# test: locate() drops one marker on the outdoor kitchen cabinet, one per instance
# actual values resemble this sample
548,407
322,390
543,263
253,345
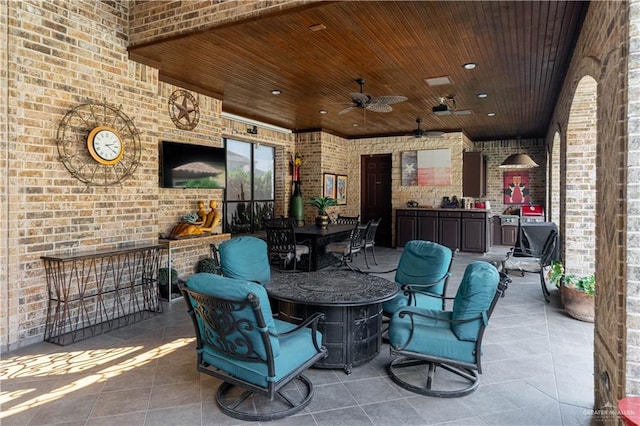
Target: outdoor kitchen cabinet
428,225
474,174
467,230
475,232
406,226
449,229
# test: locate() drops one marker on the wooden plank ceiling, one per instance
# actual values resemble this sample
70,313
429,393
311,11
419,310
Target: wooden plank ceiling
314,55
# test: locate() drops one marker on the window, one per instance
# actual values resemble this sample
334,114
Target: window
250,192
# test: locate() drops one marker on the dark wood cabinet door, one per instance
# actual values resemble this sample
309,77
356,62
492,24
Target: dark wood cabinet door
405,229
428,228
449,232
473,175
509,234
474,235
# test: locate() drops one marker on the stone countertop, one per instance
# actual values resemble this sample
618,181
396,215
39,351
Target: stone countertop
445,209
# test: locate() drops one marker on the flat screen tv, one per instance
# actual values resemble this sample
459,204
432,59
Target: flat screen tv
184,165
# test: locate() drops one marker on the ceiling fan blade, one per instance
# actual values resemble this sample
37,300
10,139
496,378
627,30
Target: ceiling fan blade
463,112
389,99
378,107
346,110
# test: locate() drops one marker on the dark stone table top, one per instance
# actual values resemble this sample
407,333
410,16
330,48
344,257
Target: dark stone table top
312,230
331,288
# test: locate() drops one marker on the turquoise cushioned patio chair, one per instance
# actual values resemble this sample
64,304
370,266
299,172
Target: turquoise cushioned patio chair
260,360
245,258
421,275
448,339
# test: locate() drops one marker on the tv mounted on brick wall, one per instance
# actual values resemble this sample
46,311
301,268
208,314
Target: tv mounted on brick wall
184,165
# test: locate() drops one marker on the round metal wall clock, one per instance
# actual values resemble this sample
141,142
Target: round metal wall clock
99,144
184,110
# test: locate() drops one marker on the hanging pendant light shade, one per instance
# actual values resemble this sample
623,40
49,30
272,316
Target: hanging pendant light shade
518,161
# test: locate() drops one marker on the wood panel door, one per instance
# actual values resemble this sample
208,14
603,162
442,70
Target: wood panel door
375,197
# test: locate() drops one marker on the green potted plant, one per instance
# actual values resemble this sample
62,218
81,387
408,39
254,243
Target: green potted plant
163,282
322,204
577,293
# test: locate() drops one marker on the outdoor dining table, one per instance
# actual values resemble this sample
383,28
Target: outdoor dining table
318,239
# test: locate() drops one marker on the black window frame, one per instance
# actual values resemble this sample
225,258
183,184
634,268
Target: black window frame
255,222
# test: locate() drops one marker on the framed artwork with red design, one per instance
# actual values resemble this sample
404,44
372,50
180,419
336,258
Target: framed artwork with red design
516,187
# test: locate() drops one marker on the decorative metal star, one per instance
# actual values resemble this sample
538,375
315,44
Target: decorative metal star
184,110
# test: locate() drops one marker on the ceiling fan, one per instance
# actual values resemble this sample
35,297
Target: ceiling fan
366,101
447,106
419,133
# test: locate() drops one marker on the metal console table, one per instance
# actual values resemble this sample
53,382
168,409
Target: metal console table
351,302
95,292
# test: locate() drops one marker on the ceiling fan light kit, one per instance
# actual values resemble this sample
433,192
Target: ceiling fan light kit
375,104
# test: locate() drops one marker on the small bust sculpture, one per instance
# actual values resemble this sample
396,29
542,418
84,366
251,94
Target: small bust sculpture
206,223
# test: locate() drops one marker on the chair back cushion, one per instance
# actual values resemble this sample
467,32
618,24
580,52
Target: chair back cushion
473,299
230,342
422,262
245,258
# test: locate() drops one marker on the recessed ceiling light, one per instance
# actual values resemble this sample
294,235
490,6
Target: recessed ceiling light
323,111
491,114
469,66
482,95
275,92
438,81
355,125
318,27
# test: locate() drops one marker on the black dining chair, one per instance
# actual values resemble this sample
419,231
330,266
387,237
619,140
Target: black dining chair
370,241
347,250
347,220
284,251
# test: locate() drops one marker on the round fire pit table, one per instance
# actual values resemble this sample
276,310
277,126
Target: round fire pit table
351,302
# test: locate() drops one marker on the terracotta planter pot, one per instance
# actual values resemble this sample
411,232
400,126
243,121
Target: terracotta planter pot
577,303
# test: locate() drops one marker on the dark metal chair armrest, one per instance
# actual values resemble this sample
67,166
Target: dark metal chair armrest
313,321
411,289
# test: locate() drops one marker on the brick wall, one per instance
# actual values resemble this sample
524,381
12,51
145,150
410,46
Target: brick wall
579,185
628,296
162,19
57,55
64,54
601,53
496,152
5,321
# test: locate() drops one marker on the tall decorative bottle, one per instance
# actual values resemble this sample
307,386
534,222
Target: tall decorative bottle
297,203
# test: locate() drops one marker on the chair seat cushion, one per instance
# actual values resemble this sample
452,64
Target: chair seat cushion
245,258
526,264
431,337
338,248
295,350
401,301
300,250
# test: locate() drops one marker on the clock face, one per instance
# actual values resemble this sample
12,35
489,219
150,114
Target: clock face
99,144
105,145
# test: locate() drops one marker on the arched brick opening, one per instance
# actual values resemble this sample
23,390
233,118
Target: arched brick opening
579,221
553,181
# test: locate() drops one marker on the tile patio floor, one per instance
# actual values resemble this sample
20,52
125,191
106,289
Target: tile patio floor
537,370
